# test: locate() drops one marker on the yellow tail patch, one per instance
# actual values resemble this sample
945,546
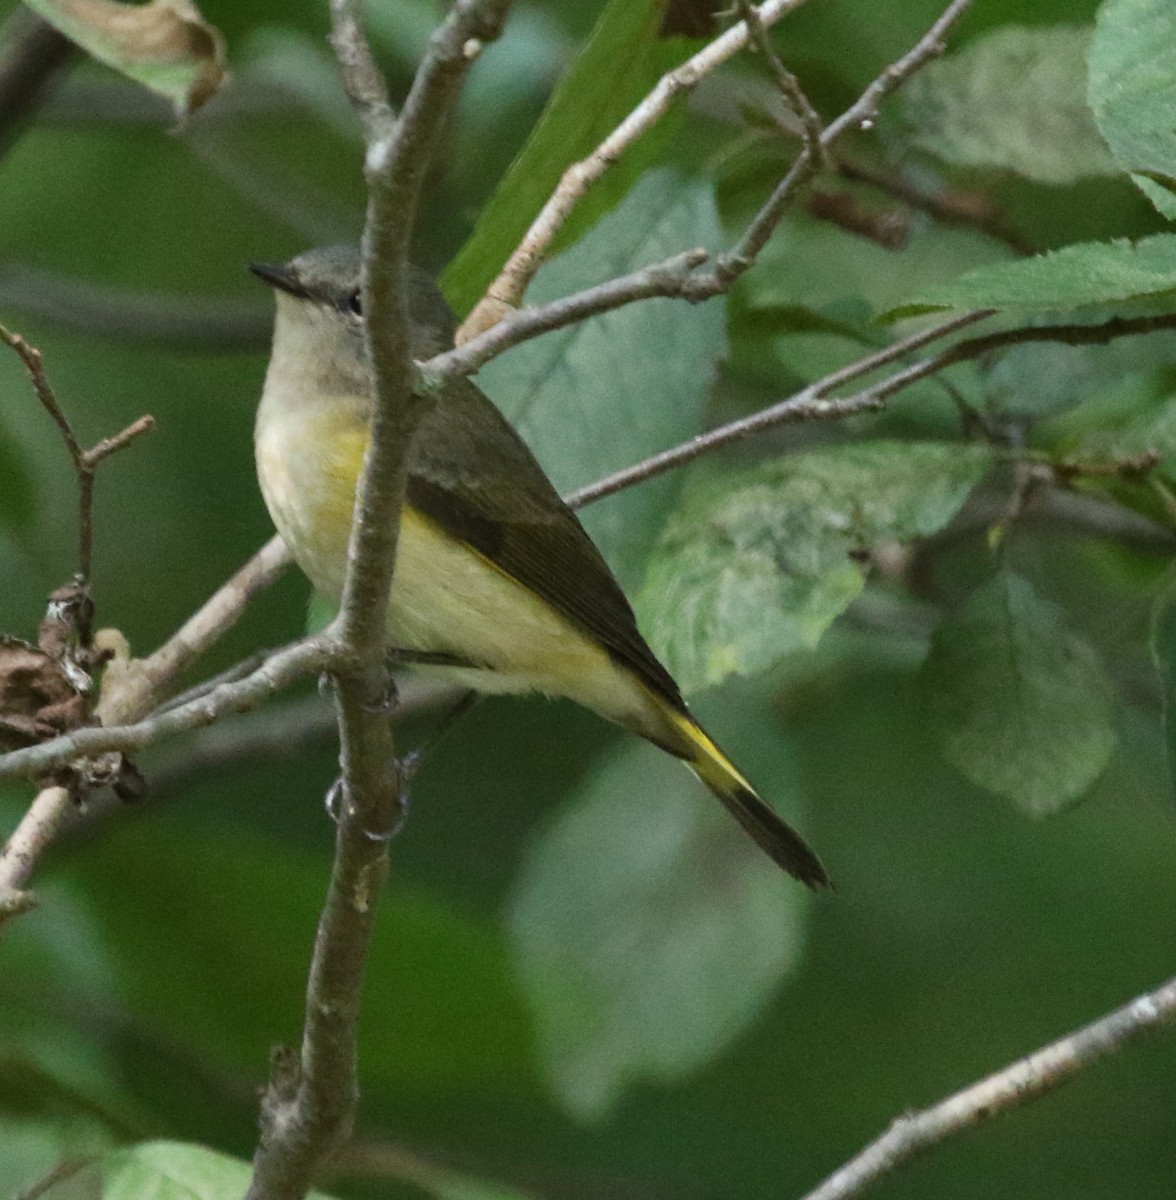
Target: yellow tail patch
769,830
707,761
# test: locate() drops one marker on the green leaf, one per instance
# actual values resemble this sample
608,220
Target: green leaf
1139,417
1013,99
176,1171
49,1065
1087,273
813,263
1132,91
591,399
647,928
440,1010
166,47
756,564
1022,705
621,61
1048,378
33,1147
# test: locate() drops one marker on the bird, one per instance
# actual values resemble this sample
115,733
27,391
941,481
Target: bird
496,585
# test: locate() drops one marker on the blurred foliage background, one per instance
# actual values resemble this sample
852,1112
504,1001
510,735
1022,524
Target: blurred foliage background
583,986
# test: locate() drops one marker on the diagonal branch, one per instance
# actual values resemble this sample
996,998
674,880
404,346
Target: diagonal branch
497,323
506,292
279,670
1026,1079
811,403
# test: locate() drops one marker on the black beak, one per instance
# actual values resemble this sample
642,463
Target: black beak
279,275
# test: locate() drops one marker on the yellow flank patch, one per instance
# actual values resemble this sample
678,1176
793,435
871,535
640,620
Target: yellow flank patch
446,596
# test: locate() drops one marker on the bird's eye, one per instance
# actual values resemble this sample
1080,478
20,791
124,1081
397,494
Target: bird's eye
355,303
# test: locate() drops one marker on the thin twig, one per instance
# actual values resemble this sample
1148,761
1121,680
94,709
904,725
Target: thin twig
506,292
811,403
85,462
787,84
500,304
971,211
1024,1080
282,668
669,278
860,115
362,80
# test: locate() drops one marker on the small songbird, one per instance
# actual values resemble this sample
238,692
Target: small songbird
494,574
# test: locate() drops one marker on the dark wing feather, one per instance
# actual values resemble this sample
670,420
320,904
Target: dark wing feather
471,473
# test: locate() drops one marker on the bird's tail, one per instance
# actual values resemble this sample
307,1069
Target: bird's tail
770,831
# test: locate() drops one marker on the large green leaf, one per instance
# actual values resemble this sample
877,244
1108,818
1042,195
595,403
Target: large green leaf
1022,704
175,1171
595,397
1047,378
33,1147
1086,273
1132,89
440,1010
648,929
180,1171
1138,416
1013,99
620,62
757,563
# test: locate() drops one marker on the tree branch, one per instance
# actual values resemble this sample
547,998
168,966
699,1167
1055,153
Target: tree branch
310,1101
85,462
786,83
39,827
282,668
860,115
677,276
1024,1080
506,292
809,404
670,278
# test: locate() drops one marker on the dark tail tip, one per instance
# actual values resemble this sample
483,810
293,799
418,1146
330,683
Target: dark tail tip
780,841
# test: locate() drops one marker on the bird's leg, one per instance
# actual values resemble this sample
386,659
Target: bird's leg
409,763
400,656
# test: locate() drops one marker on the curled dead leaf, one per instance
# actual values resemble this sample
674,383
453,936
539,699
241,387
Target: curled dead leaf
38,698
166,45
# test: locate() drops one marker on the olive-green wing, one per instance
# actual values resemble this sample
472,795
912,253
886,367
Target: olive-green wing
472,474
